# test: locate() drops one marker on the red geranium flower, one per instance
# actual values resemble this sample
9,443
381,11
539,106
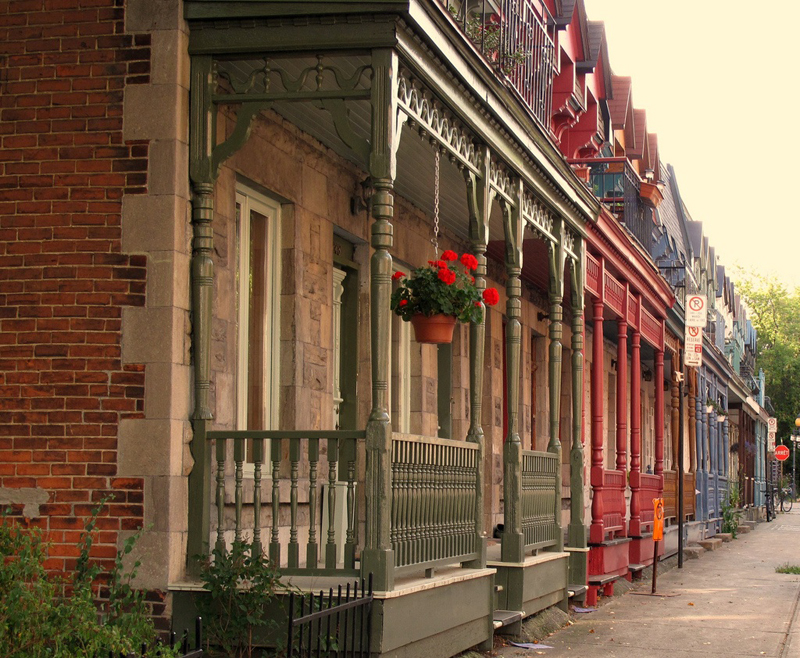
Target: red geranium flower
491,296
440,264
449,255
397,275
447,276
403,302
469,261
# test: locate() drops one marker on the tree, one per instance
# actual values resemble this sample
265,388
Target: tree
774,311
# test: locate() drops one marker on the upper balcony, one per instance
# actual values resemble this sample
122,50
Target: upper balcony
513,36
627,196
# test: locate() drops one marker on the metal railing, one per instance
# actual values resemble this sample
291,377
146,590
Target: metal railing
539,527
433,501
337,625
512,36
327,458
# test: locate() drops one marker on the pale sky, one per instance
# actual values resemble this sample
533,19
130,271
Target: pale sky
719,82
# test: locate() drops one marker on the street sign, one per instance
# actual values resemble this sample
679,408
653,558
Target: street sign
693,343
658,519
696,306
771,441
781,453
772,424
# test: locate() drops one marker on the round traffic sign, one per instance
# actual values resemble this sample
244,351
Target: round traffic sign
781,453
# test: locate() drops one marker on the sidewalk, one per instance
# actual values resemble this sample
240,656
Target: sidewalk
729,602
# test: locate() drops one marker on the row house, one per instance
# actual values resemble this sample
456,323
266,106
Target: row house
203,205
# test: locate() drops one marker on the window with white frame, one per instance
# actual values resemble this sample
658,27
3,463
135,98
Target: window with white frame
258,310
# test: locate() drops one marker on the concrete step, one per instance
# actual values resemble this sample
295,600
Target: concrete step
725,537
711,544
744,529
693,552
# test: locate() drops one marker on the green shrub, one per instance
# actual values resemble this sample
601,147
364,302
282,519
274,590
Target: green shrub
241,589
42,615
731,514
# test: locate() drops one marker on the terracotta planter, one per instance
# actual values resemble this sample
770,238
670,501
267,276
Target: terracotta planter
435,329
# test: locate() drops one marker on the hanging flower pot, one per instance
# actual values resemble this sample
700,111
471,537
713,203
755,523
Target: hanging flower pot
439,295
433,329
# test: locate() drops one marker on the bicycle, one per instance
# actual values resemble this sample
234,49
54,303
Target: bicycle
785,499
769,503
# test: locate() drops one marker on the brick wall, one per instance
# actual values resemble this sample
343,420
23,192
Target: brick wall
64,168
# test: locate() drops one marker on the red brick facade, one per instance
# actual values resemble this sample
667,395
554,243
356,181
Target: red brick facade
64,168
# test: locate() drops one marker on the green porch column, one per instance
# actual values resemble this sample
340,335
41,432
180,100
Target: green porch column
479,199
513,546
202,273
557,255
577,530
378,557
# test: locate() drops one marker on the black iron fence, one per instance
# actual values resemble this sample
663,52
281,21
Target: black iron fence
333,625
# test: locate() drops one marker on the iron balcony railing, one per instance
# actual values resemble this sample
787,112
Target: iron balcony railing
513,37
616,184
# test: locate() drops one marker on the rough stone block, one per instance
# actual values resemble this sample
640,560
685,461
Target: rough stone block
693,552
725,537
711,544
153,335
154,223
744,529
156,112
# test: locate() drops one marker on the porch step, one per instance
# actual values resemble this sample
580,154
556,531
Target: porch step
693,552
603,579
636,568
576,591
711,544
506,617
725,537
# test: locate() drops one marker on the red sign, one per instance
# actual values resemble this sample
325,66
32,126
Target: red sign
781,453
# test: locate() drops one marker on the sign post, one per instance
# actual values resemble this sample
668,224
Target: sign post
658,535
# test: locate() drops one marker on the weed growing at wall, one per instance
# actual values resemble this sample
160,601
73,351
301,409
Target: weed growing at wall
57,617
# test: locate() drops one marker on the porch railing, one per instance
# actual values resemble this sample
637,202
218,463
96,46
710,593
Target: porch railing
539,527
650,486
670,494
326,459
614,503
689,496
512,35
433,501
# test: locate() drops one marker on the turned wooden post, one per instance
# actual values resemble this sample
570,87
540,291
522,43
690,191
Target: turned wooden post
622,391
658,467
597,529
636,435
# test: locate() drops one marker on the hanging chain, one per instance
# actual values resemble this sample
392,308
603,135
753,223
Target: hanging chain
435,240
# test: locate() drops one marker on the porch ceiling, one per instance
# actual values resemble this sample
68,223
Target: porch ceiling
415,157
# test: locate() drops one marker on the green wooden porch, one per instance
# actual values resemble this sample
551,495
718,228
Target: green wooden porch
409,509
